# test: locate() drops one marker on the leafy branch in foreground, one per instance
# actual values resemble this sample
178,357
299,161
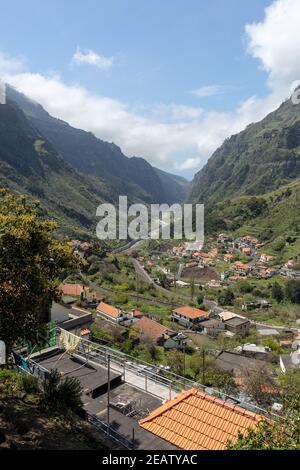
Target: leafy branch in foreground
282,433
31,263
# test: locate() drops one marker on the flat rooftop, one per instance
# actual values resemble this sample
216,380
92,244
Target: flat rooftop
236,321
126,425
93,378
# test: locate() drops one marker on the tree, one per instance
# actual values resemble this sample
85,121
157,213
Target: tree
162,279
31,264
259,385
246,287
192,287
292,291
62,394
226,297
277,292
175,360
220,380
200,298
290,382
282,433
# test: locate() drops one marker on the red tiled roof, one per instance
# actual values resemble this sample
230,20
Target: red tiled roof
243,266
204,255
197,421
108,310
84,331
137,313
191,312
72,289
150,328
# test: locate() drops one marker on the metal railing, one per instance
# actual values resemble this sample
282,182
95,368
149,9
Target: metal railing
99,354
152,375
109,431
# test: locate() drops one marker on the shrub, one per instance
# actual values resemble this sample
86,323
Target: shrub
62,394
17,382
293,291
226,297
277,292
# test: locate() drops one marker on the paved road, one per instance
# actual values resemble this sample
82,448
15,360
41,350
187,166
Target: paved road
137,298
129,246
146,278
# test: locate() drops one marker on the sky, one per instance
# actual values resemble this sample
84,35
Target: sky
167,80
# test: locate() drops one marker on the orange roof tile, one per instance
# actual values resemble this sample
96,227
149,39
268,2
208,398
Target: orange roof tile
84,331
191,312
137,313
108,310
195,420
150,328
205,255
243,266
72,289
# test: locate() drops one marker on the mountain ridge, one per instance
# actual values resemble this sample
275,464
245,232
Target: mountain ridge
133,176
261,158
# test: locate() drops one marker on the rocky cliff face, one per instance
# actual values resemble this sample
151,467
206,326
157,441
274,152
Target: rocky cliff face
263,157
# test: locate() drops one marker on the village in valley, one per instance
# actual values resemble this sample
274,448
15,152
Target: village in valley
218,317
142,330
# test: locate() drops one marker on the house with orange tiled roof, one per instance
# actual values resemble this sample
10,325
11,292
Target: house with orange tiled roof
241,268
108,312
137,314
150,329
159,334
264,258
189,317
233,278
195,420
246,250
73,289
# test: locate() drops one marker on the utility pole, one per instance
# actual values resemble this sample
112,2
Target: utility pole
108,393
192,285
203,366
137,290
184,361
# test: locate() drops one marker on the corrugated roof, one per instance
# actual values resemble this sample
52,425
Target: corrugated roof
191,312
195,420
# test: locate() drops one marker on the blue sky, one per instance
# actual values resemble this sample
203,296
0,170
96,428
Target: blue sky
160,58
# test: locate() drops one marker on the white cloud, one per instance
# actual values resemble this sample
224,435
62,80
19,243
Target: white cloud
209,90
170,112
188,164
276,43
9,65
92,58
166,134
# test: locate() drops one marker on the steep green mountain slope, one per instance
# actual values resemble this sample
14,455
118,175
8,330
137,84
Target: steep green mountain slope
29,164
263,157
177,186
274,218
133,177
